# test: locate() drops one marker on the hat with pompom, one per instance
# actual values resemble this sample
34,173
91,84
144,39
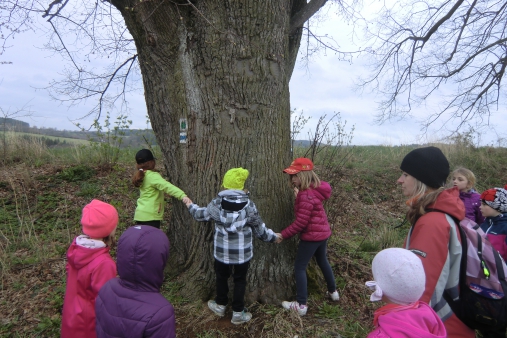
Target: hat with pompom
99,219
235,178
496,198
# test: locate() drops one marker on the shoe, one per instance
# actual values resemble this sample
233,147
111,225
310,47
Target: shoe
334,296
299,308
240,317
218,309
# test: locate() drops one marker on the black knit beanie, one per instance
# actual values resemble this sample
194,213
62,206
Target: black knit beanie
428,165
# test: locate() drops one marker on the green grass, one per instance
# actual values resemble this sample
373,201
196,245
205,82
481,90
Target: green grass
43,191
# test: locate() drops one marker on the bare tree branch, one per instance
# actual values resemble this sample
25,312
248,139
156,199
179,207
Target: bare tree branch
463,59
297,20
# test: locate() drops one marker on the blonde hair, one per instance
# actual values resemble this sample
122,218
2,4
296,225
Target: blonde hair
110,240
468,174
420,199
138,177
308,178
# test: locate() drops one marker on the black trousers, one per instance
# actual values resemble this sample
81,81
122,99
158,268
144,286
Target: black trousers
223,272
155,224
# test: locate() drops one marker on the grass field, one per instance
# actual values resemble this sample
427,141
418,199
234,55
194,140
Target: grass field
42,192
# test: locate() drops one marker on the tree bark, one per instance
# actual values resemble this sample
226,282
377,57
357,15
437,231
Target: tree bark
224,67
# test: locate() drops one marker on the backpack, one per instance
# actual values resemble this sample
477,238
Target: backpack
482,303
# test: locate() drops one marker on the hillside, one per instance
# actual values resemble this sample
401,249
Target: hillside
41,205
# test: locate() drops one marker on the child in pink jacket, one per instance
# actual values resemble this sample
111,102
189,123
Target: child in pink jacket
400,281
89,267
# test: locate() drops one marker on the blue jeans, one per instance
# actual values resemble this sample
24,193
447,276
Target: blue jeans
306,250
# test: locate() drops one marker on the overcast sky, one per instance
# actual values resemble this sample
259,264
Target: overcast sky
324,86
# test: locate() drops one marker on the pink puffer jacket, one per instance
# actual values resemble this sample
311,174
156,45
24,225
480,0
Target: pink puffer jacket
311,219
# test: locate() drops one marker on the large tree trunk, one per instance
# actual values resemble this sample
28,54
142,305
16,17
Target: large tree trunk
224,67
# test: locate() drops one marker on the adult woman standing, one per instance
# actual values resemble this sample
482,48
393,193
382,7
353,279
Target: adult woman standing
434,236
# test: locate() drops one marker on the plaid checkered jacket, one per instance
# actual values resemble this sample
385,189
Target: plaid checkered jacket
233,229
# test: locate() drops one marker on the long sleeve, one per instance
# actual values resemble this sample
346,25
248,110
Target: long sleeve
161,184
303,213
198,213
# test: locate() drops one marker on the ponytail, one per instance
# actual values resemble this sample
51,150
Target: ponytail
137,179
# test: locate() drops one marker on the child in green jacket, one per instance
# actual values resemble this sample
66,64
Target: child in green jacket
152,186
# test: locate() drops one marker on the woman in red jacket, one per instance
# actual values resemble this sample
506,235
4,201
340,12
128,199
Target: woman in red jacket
434,236
313,228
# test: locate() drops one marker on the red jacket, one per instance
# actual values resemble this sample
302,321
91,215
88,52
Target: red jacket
429,239
311,219
87,270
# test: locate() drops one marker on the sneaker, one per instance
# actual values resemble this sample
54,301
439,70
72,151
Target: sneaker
334,296
240,317
218,309
299,308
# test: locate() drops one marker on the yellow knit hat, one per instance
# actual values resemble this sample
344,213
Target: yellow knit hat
235,178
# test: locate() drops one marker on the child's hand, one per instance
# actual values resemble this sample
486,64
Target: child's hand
296,191
279,238
187,201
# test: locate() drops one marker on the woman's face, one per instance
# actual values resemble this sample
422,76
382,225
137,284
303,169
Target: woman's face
408,184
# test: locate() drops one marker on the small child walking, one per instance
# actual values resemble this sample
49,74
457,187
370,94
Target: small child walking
399,280
494,209
132,305
236,219
89,267
312,225
464,179
152,186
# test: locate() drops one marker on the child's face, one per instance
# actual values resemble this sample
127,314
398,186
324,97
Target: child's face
461,182
408,184
295,180
488,211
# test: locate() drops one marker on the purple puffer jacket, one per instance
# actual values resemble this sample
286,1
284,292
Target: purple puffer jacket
472,202
132,306
311,219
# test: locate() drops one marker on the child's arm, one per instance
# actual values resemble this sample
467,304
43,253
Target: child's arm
198,213
161,184
258,226
303,214
104,271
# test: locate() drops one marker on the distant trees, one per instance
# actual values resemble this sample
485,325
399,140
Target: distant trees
455,48
216,84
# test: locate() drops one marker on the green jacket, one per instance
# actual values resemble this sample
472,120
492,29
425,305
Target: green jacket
150,205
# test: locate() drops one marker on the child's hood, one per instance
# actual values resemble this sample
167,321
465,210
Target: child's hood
79,256
422,322
323,191
141,258
238,196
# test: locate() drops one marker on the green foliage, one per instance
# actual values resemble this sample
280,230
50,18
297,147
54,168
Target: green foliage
48,327
89,190
170,291
329,311
77,173
108,139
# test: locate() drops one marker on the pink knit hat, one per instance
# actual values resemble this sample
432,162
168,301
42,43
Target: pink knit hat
99,219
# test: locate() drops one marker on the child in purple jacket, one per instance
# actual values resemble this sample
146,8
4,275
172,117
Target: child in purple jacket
464,179
399,280
132,306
